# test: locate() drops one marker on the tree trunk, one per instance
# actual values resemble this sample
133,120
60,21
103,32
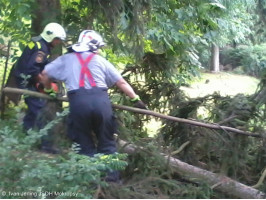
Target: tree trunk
217,182
215,59
45,11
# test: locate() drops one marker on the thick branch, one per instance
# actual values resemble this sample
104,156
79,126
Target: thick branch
32,93
189,172
4,80
261,179
187,121
181,148
142,111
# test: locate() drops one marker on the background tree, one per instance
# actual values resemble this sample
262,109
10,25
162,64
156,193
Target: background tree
231,24
44,12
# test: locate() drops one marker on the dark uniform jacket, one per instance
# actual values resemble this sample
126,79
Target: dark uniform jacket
32,61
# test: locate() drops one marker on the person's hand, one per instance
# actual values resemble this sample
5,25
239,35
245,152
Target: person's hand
52,91
138,103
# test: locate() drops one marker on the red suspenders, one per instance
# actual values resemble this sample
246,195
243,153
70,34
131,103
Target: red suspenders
85,70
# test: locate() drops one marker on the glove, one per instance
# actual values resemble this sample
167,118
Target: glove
51,92
138,103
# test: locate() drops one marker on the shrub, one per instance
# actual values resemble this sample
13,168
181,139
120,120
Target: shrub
251,58
27,173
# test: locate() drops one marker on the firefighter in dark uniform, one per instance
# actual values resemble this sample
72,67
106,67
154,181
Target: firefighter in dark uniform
30,65
27,72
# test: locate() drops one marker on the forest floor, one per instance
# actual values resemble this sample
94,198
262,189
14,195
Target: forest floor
223,82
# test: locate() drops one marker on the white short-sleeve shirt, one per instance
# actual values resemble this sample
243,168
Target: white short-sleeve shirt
67,68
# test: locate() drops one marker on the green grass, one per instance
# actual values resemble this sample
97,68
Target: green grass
224,83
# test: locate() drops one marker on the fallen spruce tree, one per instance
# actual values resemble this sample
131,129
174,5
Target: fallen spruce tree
216,181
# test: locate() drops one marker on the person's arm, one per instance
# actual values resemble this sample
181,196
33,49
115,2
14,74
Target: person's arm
123,85
52,71
126,88
113,77
33,60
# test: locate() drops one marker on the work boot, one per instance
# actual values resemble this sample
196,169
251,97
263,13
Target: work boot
49,150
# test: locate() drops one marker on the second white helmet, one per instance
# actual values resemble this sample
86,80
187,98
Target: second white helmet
89,40
53,30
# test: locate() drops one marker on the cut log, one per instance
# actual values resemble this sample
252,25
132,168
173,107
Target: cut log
142,111
217,182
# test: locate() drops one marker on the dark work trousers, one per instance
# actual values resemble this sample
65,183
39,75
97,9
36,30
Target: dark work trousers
91,111
34,106
32,118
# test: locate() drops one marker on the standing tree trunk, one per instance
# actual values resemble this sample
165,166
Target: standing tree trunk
45,11
215,59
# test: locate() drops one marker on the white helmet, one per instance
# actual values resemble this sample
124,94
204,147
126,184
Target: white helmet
89,40
53,30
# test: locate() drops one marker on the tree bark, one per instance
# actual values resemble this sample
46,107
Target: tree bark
141,111
45,11
215,59
217,182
